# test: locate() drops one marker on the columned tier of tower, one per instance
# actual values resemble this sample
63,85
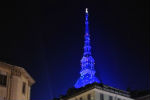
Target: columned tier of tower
87,72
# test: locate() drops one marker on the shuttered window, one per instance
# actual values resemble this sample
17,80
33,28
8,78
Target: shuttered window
3,80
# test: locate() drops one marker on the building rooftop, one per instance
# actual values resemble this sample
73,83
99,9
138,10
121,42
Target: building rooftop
73,91
14,68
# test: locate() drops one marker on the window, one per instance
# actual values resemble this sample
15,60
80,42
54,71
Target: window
110,98
89,96
81,98
3,80
24,88
101,97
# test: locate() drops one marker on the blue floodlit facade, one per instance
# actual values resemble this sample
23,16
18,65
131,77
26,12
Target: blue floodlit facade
87,62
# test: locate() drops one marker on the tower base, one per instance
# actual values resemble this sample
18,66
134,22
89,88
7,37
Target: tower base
83,81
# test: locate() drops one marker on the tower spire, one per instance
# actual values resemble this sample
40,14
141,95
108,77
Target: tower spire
86,21
87,47
87,62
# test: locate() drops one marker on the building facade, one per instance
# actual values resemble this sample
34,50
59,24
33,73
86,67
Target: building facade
15,82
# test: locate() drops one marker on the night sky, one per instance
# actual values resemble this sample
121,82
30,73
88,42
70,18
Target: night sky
46,38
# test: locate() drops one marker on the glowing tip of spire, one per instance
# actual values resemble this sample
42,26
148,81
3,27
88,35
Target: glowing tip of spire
86,10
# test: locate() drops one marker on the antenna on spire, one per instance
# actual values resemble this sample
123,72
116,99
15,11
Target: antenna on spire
86,10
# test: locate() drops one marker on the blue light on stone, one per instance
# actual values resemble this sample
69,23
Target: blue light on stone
87,62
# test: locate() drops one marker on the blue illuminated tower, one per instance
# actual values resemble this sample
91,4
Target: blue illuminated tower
87,62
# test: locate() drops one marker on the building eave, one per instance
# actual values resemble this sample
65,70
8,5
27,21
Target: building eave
21,69
100,87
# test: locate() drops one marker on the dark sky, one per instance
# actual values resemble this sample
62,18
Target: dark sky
46,38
